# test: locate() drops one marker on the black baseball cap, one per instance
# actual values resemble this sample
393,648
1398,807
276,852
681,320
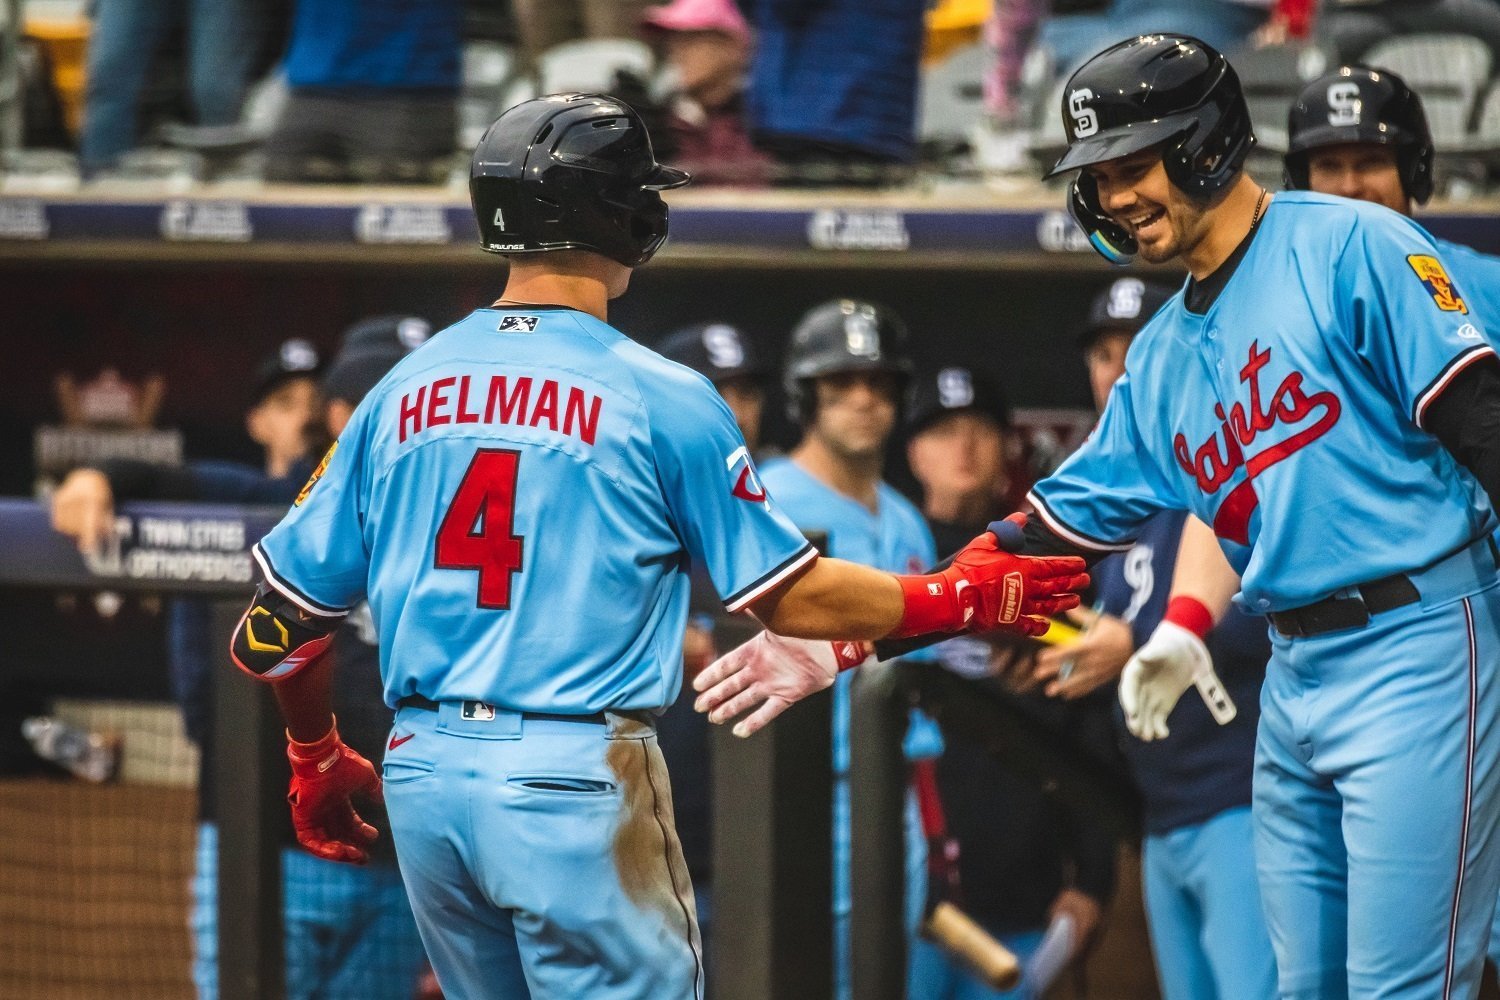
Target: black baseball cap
401,331
1125,304
354,371
293,359
951,389
718,351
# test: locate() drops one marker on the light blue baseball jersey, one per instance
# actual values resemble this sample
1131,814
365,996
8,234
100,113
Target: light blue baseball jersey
1289,416
521,499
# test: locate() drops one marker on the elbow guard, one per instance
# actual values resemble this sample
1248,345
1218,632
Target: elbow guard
275,638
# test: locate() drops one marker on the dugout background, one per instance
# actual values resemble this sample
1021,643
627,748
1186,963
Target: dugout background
94,879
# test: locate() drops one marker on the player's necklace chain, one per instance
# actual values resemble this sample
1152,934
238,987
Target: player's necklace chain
1259,204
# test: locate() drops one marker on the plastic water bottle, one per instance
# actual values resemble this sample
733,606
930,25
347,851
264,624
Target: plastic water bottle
86,755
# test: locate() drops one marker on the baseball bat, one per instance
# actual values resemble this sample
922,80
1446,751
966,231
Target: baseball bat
957,933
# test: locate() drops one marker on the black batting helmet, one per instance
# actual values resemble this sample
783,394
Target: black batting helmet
842,336
1172,91
571,172
1358,104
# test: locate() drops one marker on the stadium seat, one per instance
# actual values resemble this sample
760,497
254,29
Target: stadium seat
488,70
1486,139
1449,71
951,102
589,64
1272,77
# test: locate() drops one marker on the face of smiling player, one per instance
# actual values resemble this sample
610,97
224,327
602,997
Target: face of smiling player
1361,170
1135,191
856,412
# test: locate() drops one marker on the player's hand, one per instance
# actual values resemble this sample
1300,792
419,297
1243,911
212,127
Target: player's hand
999,589
769,674
1086,914
1170,662
1095,659
83,508
324,776
1013,661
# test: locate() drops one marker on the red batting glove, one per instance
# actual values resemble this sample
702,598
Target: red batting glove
987,588
324,775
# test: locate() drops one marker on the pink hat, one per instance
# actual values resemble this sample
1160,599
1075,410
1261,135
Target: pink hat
699,15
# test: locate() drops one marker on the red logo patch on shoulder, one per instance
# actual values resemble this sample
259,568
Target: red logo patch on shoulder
746,484
1435,279
316,475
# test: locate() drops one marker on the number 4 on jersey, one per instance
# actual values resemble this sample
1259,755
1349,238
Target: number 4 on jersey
476,533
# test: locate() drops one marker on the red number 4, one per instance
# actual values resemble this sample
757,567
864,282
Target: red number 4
476,533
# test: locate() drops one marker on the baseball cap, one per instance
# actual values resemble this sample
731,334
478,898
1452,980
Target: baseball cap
354,371
401,331
952,389
1125,304
294,358
717,351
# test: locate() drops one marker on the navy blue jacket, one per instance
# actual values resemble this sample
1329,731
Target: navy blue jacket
1202,768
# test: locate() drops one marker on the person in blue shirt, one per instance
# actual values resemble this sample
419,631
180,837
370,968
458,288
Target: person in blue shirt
1362,133
844,375
1357,133
1321,393
372,92
519,502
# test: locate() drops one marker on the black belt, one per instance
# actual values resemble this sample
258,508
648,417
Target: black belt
428,705
1334,613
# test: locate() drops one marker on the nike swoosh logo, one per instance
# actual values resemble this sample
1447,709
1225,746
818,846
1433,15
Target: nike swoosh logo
397,741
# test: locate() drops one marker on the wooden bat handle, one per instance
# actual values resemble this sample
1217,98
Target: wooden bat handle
959,935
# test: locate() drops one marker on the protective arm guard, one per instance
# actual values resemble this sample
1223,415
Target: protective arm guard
275,638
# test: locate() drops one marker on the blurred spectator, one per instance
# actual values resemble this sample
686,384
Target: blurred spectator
705,48
221,52
833,88
349,930
541,24
1224,24
1009,32
373,92
1023,859
1353,26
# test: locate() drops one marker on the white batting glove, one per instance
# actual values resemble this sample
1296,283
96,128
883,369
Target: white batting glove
769,674
1170,662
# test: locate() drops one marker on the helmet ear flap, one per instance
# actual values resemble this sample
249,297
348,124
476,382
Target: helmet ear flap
1105,234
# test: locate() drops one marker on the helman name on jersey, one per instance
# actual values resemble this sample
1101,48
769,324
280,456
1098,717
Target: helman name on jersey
507,400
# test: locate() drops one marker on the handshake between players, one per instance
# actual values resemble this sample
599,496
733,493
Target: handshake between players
986,587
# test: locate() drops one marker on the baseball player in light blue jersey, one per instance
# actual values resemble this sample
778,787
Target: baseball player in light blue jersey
845,371
519,501
1358,133
1362,133
1309,394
